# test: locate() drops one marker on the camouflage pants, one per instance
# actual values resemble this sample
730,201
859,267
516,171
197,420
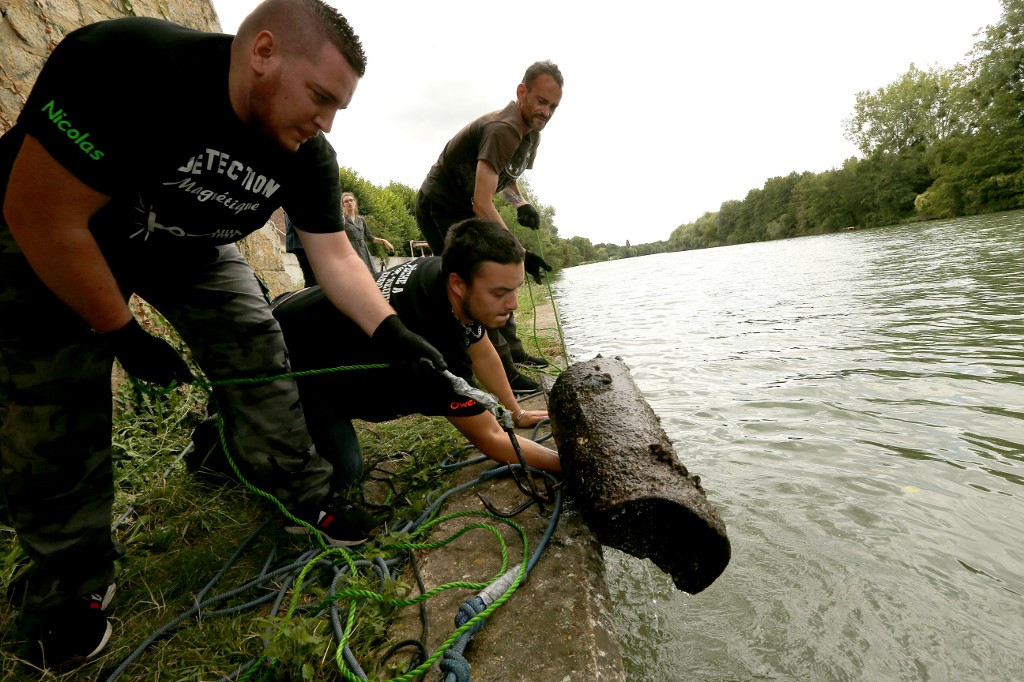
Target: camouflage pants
55,412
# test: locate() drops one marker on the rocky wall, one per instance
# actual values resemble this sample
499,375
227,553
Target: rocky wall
30,29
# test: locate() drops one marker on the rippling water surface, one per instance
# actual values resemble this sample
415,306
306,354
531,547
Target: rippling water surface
854,406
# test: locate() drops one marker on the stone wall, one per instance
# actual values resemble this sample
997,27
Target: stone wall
30,29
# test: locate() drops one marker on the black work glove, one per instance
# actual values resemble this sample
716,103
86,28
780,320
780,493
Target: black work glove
528,217
406,349
147,357
533,263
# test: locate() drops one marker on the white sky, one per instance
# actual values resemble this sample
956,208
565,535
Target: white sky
669,108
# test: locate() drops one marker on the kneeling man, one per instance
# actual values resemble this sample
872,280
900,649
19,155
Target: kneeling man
449,300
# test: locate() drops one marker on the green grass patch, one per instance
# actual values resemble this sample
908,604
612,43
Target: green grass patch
180,531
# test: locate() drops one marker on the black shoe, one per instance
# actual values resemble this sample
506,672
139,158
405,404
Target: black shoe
102,598
77,631
204,455
340,525
523,385
532,361
18,587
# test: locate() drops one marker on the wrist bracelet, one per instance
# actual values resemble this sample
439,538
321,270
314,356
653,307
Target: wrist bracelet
518,415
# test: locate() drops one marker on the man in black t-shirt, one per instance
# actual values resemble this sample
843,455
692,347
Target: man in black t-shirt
450,300
486,158
144,151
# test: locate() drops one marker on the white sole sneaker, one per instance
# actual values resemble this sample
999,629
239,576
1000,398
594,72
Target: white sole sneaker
103,642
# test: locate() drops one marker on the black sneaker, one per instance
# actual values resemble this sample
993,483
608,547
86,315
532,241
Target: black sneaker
16,594
340,526
76,631
204,455
522,385
532,361
102,598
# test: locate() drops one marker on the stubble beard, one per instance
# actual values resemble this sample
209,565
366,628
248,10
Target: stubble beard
261,110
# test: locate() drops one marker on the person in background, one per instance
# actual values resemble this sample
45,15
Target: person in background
450,300
359,232
98,205
293,245
486,158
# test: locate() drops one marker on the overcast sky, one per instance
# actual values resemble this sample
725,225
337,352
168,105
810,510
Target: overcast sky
669,108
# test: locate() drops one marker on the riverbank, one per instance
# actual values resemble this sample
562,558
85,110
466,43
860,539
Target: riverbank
558,625
191,538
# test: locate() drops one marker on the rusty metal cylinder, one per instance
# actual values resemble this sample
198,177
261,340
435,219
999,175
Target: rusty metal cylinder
622,471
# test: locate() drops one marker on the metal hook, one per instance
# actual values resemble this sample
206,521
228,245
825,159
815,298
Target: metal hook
515,511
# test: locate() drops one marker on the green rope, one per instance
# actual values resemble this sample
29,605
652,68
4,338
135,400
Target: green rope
554,308
436,545
203,383
468,625
354,594
208,386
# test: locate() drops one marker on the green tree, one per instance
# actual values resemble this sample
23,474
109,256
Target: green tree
996,70
405,193
977,174
888,184
919,108
584,249
824,202
730,219
981,170
386,210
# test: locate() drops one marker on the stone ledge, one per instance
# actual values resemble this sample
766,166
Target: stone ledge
558,625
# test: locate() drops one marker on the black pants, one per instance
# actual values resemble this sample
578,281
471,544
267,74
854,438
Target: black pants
56,467
309,279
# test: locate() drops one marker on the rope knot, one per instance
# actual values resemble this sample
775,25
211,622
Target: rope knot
467,609
454,663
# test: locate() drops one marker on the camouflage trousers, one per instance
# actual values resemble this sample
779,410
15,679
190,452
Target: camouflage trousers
55,405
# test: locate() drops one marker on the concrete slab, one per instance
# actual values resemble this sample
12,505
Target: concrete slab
558,625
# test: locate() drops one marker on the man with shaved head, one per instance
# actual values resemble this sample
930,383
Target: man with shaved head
143,153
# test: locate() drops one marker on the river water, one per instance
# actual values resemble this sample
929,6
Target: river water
854,406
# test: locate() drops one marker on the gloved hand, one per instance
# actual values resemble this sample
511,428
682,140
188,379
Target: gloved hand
528,217
408,350
532,263
147,357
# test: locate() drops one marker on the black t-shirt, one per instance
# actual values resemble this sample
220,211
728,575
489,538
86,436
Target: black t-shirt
138,109
496,137
319,336
418,293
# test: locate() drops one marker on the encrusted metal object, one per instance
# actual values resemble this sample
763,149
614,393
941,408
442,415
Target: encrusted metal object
621,469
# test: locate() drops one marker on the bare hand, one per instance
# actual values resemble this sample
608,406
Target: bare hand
531,418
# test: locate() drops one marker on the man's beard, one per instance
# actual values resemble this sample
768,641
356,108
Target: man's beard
467,310
261,105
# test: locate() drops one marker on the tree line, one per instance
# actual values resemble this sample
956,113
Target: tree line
936,143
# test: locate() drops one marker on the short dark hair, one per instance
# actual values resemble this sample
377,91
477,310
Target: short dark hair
537,69
302,26
471,242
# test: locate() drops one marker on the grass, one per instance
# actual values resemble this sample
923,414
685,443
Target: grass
539,331
180,531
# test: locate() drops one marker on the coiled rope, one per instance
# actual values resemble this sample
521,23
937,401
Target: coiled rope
342,563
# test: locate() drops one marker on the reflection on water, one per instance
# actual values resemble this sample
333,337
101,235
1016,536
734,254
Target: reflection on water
854,406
